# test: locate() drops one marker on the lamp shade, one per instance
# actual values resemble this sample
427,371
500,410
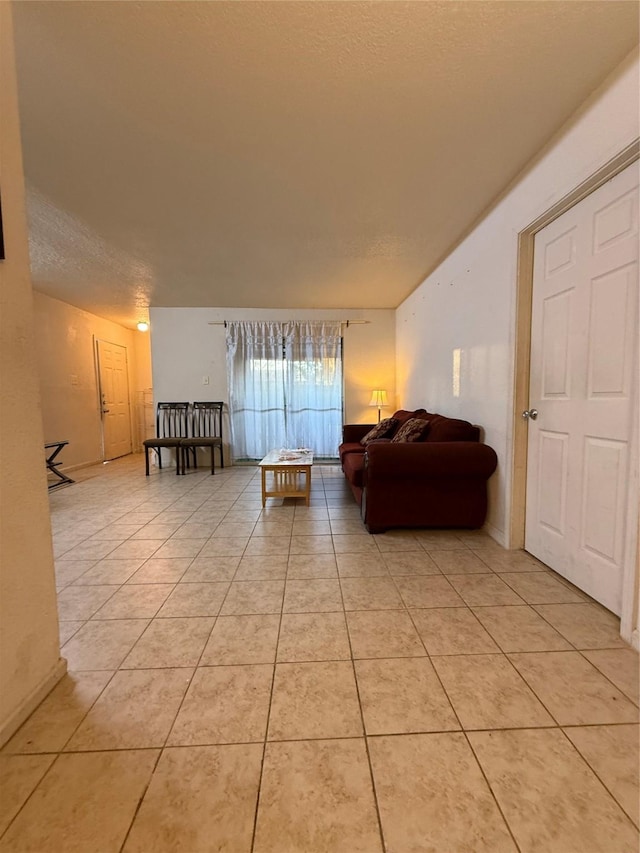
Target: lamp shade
379,398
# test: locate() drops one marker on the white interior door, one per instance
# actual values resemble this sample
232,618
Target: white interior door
114,398
583,384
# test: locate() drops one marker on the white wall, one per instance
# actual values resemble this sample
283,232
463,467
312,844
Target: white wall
468,303
185,348
30,662
66,338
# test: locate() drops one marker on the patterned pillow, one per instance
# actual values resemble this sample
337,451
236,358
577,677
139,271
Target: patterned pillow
381,430
415,429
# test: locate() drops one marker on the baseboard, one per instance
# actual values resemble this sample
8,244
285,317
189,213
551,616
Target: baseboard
31,702
635,640
494,533
66,468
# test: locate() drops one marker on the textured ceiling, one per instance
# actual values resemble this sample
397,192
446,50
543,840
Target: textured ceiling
272,154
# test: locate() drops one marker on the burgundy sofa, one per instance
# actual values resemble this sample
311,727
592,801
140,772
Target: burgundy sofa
439,481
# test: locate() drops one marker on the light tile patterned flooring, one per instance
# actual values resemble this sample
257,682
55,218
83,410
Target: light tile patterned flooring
279,681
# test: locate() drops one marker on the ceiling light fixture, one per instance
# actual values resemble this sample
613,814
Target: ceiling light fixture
142,326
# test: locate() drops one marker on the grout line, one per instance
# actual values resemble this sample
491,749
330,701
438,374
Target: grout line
595,772
266,728
524,679
228,501
28,798
362,722
184,696
143,794
604,675
492,792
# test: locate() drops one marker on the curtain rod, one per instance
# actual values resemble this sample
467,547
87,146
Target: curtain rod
346,323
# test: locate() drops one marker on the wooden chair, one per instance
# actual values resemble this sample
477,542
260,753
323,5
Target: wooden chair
171,429
205,431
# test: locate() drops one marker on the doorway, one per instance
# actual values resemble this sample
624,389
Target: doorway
114,399
582,388
578,480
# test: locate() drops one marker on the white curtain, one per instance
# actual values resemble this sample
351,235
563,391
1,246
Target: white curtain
255,368
285,387
313,387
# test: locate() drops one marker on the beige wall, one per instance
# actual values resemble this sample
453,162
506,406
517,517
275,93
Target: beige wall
185,348
66,339
30,661
142,353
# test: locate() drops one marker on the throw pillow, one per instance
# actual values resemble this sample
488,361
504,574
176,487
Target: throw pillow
381,430
415,429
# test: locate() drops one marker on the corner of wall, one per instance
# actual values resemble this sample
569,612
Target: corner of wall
29,663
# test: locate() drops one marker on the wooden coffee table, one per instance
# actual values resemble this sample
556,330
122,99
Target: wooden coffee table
291,470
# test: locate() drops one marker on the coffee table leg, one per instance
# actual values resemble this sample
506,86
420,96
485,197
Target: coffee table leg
264,483
308,487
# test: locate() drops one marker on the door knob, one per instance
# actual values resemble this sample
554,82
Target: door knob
530,414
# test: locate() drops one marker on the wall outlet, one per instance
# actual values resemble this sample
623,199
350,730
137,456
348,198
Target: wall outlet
74,379
205,380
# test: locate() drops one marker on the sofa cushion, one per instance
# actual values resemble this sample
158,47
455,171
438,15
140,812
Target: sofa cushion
415,429
353,467
350,447
403,415
451,429
385,428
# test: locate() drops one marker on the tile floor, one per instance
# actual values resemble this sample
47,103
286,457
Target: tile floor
279,681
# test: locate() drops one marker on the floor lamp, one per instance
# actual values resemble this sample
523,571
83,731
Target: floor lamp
379,400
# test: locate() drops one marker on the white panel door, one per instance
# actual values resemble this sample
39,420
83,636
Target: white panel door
114,398
583,385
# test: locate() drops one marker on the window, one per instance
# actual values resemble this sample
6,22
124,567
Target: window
285,387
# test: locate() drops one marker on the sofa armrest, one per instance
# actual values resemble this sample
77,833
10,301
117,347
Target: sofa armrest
354,432
417,460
